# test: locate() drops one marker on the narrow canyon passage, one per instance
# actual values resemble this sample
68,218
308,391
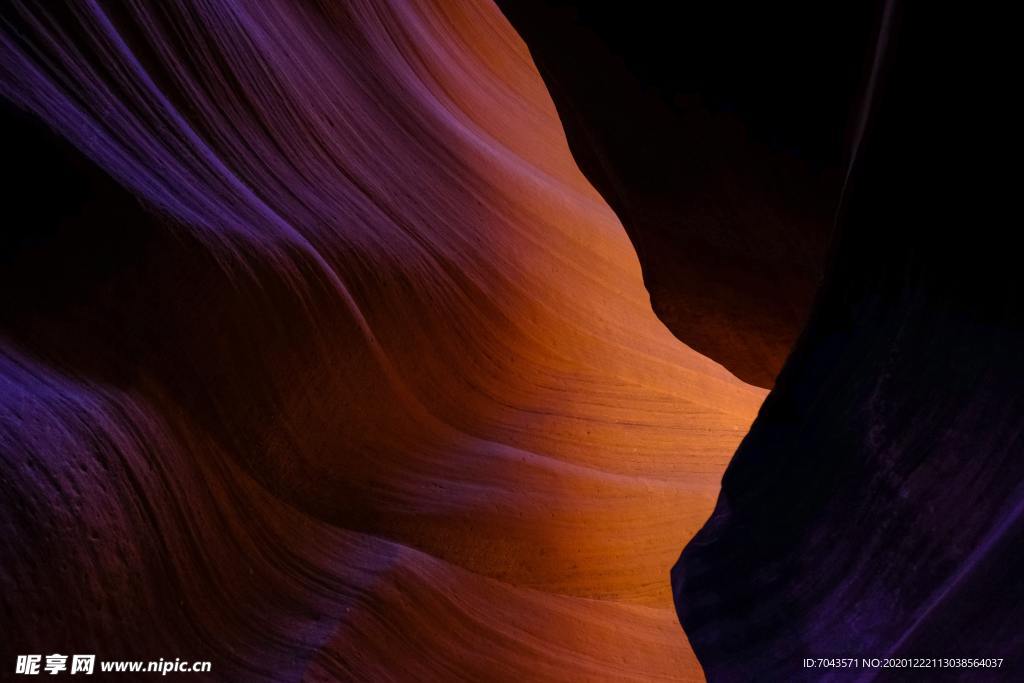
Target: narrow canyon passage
340,368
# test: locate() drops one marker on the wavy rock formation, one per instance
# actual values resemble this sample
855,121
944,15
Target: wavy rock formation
324,361
716,131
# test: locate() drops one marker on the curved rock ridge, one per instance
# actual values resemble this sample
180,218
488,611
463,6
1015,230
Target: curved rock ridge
323,360
717,131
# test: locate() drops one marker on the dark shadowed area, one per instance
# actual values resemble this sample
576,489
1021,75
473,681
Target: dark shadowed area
718,133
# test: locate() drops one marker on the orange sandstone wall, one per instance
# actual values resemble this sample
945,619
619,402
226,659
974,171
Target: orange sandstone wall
344,371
